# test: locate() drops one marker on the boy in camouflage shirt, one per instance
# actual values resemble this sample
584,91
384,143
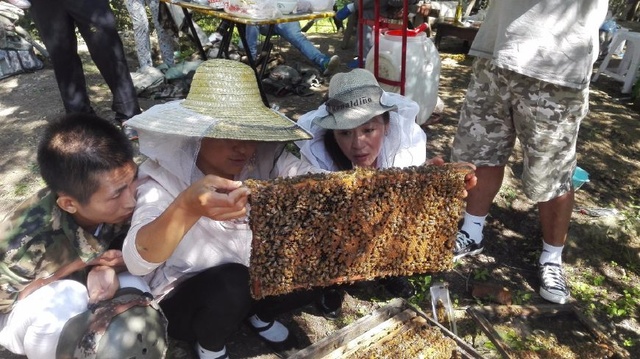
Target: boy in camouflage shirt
71,227
75,227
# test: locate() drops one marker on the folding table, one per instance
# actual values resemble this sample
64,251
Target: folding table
241,23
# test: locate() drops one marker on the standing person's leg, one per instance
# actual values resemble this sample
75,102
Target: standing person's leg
97,25
57,30
291,32
140,24
548,130
252,33
485,137
555,215
165,36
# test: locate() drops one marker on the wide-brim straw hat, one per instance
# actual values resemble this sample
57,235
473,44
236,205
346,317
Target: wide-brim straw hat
354,98
223,102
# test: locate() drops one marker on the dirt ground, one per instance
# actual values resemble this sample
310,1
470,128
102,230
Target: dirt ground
602,255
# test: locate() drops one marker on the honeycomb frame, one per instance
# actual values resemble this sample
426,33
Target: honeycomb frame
317,230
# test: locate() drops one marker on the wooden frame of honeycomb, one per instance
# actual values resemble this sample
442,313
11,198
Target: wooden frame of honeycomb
323,229
395,330
406,335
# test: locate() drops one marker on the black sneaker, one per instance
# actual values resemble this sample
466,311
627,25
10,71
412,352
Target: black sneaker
553,283
465,246
399,287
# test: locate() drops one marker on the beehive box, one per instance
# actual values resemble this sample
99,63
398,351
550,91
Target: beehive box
323,229
396,330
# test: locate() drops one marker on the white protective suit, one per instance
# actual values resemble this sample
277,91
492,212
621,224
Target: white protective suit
169,170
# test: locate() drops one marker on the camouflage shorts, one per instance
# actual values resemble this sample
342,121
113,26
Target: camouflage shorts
502,105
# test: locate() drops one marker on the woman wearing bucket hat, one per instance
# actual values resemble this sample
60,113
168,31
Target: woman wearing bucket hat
362,125
197,267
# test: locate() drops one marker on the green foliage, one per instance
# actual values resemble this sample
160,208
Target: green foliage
626,304
34,168
21,189
208,23
598,280
521,297
508,194
422,283
123,19
629,342
481,274
517,342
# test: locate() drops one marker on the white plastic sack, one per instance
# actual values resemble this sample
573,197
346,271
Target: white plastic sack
253,9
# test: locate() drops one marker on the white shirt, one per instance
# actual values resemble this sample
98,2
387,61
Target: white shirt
554,41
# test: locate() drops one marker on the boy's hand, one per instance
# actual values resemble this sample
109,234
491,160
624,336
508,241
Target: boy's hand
111,258
102,283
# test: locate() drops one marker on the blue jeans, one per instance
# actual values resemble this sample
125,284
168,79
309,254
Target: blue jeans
291,32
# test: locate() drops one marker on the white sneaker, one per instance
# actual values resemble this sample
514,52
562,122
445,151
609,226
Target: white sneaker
553,283
147,77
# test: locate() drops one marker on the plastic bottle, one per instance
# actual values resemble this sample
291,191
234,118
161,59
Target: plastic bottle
422,73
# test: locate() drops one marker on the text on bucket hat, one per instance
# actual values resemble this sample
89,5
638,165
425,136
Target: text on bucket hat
223,102
354,98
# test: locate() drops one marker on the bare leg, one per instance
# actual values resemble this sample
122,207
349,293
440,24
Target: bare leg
555,215
479,200
481,196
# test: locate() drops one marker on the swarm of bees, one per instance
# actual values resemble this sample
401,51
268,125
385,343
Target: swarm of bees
323,229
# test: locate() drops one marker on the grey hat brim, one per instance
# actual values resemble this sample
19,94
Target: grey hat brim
353,108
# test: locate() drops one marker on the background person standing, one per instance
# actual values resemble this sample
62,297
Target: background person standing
56,21
530,81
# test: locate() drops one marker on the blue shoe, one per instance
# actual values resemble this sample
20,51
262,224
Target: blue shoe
343,13
353,64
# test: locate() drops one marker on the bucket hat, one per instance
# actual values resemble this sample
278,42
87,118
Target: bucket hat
354,98
223,102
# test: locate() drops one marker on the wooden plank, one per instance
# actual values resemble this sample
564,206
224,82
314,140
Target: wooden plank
488,329
466,350
372,336
346,334
330,343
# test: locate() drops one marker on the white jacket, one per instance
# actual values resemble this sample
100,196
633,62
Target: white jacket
405,144
169,170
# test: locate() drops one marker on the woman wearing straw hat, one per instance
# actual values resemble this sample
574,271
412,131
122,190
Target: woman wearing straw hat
362,125
197,267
